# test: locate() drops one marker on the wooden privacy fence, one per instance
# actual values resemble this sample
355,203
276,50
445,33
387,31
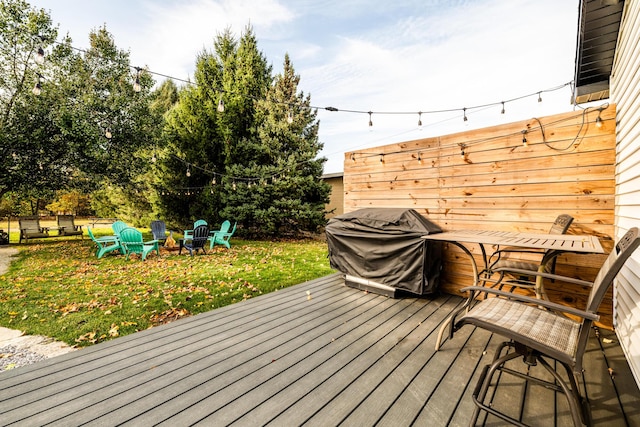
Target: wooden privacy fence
517,177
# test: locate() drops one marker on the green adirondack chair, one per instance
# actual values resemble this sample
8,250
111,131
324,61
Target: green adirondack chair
118,226
222,236
188,234
105,244
132,242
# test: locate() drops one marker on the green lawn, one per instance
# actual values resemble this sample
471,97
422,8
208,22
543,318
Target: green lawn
59,289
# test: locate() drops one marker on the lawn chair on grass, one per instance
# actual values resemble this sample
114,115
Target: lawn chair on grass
105,244
538,330
222,236
188,234
132,242
159,230
197,241
118,226
67,226
30,228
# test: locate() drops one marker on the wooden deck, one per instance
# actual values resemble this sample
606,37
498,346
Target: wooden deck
341,357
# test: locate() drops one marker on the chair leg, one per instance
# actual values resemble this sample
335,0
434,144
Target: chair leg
579,411
482,386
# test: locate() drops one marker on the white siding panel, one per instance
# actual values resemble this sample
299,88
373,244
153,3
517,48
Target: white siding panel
625,92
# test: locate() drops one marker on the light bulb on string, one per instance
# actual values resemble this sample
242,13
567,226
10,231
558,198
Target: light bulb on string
420,120
188,170
419,158
233,186
599,120
220,105
370,121
381,158
137,87
502,112
107,133
153,157
525,143
539,96
39,56
213,181
37,89
464,115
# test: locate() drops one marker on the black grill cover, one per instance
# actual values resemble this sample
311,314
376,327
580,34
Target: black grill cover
384,246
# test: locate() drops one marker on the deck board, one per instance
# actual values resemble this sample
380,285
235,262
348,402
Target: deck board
338,356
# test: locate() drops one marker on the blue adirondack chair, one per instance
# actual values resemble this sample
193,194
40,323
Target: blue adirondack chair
159,230
131,240
222,236
105,244
188,234
197,241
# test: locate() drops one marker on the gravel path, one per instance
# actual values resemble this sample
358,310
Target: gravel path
17,349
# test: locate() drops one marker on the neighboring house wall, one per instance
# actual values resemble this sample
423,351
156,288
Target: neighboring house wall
336,199
625,91
489,179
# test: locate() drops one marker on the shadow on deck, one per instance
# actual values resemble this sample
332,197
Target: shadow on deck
341,357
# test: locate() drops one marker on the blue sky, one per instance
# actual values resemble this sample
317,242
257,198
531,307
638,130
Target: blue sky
376,55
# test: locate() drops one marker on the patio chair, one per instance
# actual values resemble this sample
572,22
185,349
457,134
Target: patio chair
539,330
197,241
222,236
546,261
132,242
118,226
30,228
106,244
159,230
188,234
67,226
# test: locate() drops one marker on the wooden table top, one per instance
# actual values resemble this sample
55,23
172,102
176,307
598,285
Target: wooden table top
559,242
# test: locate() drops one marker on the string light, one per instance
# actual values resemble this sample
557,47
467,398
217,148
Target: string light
464,114
502,112
353,157
37,89
39,56
107,133
381,158
525,143
419,158
462,147
221,105
370,121
289,117
539,96
188,170
137,87
419,120
599,120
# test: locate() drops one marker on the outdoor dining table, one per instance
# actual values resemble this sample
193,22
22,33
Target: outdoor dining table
557,243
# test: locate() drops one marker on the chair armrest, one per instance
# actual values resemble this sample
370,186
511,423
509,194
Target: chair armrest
545,275
539,302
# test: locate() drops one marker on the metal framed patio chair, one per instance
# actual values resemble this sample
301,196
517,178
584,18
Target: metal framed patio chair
197,241
539,330
105,244
67,226
132,242
546,261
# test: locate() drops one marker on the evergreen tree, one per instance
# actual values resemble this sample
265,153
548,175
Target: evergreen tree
282,192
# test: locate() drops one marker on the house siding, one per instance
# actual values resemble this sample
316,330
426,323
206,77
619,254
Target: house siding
625,92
